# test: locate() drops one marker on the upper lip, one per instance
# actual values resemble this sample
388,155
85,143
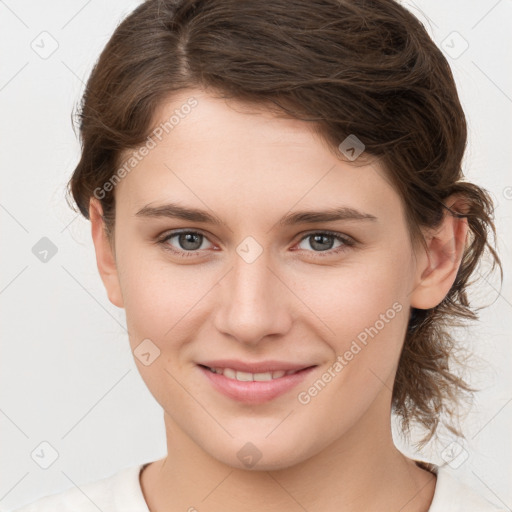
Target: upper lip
256,367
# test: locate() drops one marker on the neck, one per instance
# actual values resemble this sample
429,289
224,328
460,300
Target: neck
361,471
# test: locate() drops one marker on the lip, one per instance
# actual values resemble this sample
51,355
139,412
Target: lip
255,392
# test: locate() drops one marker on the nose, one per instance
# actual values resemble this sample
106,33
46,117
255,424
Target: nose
254,301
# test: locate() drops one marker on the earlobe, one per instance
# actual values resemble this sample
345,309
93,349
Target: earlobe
439,265
105,258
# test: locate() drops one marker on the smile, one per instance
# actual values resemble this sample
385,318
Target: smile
253,387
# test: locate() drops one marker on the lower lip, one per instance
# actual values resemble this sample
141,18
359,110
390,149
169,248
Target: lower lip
255,392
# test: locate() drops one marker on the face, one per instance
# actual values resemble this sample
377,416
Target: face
262,288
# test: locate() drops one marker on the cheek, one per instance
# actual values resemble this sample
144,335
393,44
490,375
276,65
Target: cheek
366,312
161,298
352,298
162,304
365,308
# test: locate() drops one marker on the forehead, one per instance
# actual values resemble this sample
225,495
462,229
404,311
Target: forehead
207,148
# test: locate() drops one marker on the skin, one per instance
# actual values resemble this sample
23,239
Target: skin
295,302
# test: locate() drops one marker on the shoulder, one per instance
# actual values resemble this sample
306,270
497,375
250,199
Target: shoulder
456,496
120,492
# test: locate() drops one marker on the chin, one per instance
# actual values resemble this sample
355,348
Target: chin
260,455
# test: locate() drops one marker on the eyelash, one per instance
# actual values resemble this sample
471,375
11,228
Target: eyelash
347,242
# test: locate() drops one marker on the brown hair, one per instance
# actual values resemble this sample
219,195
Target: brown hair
363,67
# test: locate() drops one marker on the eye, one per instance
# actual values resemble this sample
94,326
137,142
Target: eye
322,242
188,242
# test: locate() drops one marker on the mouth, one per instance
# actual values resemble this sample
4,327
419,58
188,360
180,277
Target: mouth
257,386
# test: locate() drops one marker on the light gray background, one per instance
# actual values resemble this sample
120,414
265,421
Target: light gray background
67,375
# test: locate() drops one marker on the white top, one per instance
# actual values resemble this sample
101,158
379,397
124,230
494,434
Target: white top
121,492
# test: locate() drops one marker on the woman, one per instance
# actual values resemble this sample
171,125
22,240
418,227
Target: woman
276,200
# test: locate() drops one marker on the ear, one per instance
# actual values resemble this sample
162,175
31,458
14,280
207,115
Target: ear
438,266
105,257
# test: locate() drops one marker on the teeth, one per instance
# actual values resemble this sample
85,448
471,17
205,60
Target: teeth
228,372
262,376
248,377
244,376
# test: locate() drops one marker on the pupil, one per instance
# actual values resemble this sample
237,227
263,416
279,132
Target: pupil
189,238
321,237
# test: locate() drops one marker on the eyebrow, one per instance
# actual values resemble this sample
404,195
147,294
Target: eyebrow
175,211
